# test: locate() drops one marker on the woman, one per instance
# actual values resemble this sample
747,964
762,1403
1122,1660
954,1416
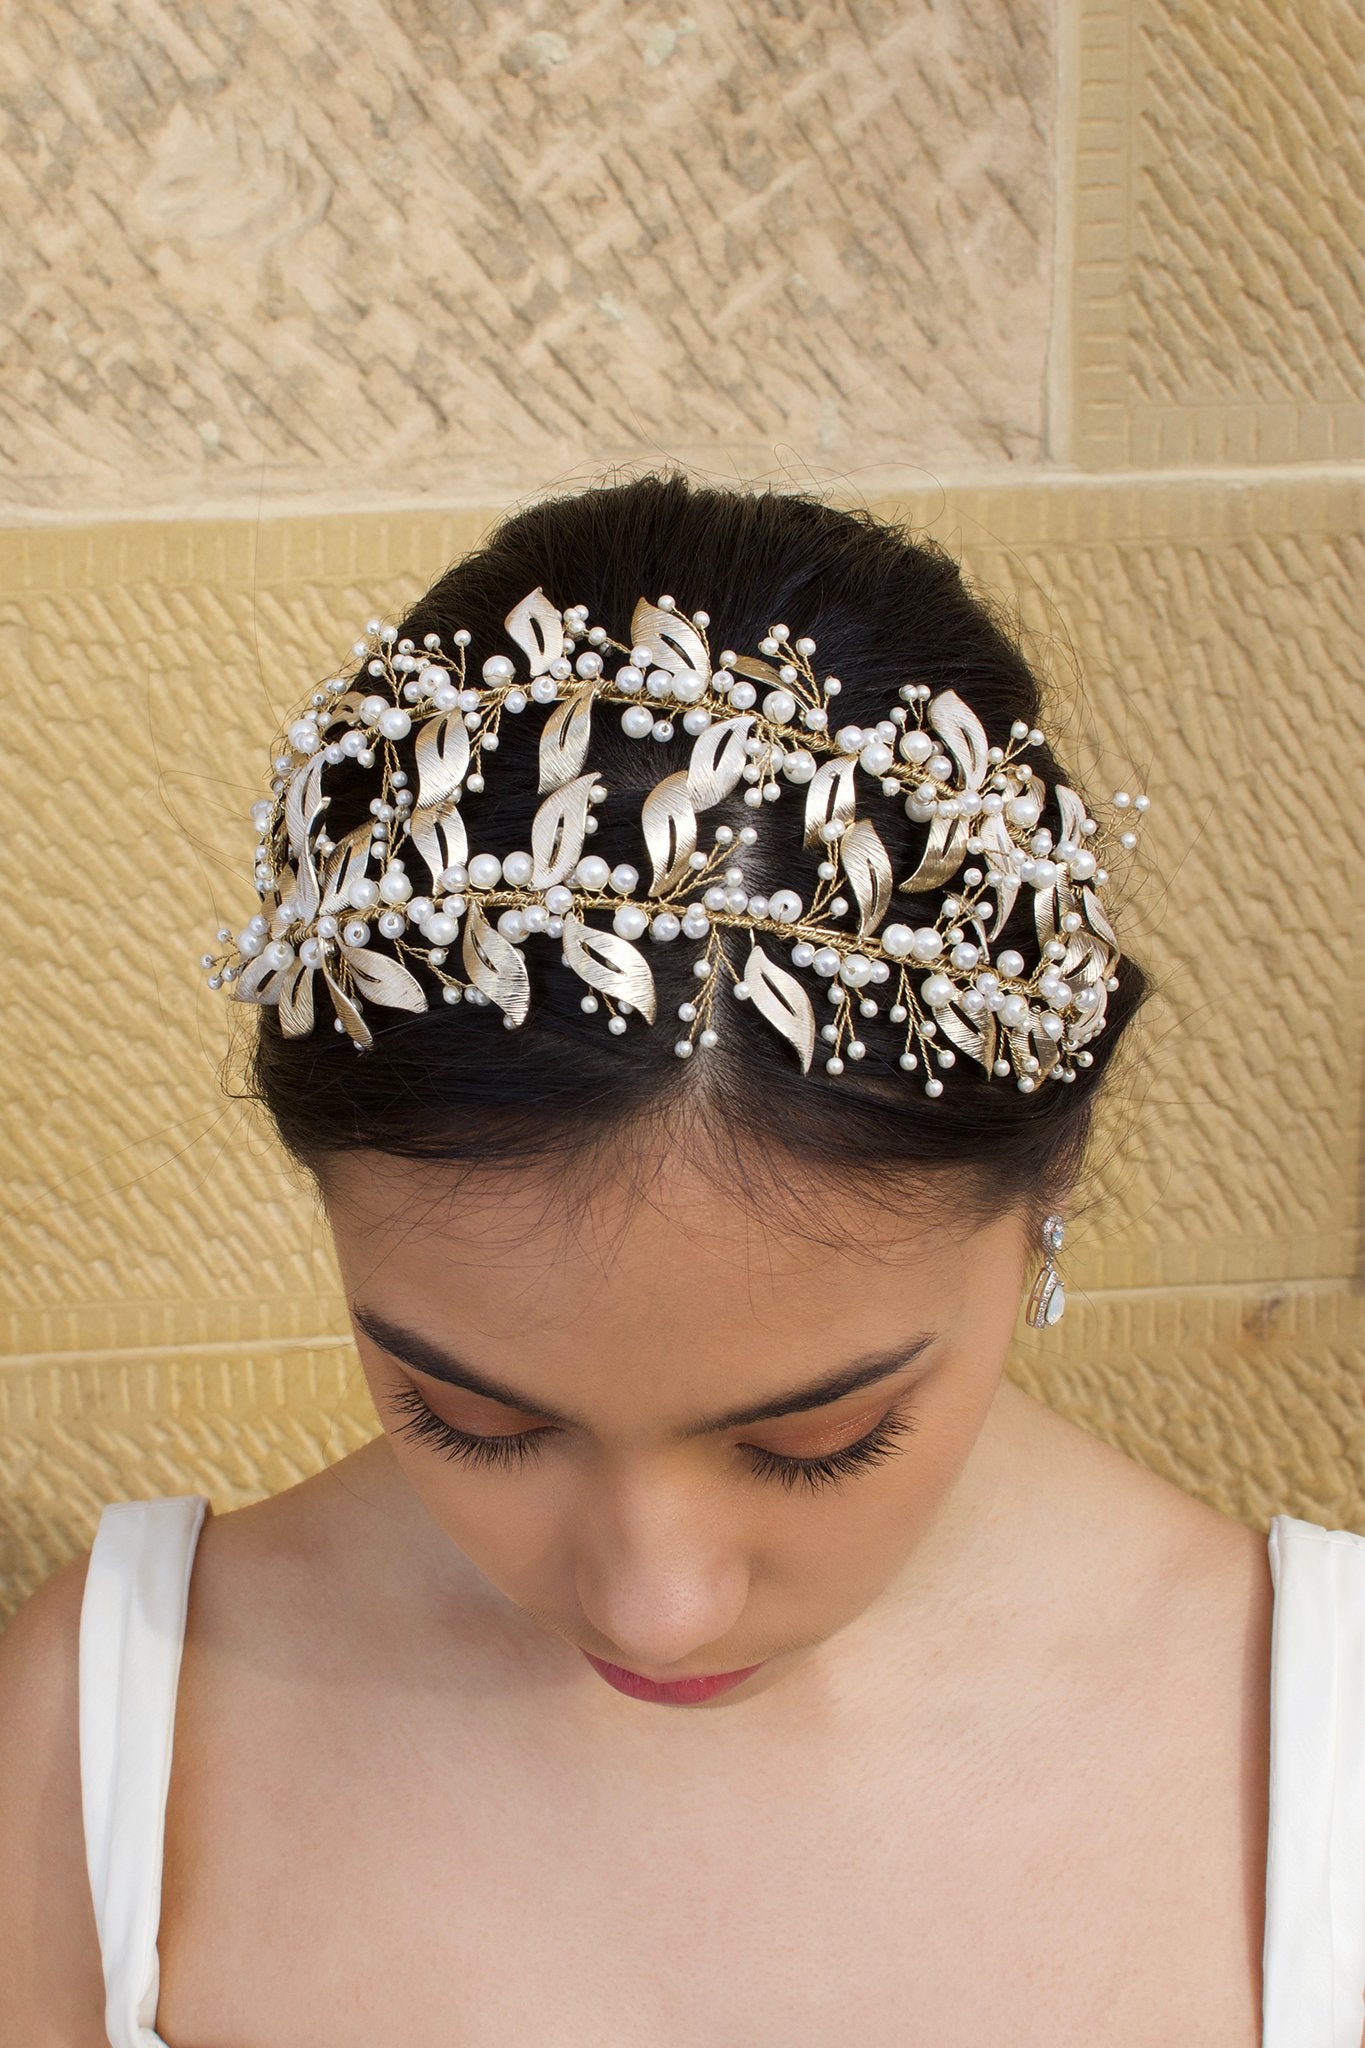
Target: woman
683,967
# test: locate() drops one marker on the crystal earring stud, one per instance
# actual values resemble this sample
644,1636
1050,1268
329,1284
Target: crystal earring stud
1048,1299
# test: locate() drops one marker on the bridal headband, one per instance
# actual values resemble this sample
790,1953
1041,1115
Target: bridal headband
418,885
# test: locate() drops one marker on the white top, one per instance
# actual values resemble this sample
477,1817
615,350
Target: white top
133,1627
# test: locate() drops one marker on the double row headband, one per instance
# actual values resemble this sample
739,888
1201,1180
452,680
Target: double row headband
417,886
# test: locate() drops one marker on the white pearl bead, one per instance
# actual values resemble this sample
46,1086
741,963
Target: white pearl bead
512,925
855,970
249,944
898,940
926,943
589,666
696,720
630,922
485,871
937,991
1010,962
876,758
498,669
933,1087
395,724
440,928
1014,1011
802,953
683,1048
799,766
779,706
637,721
743,696
356,933
785,906
392,924
363,894
629,678
687,688
517,868
592,871
826,962
665,927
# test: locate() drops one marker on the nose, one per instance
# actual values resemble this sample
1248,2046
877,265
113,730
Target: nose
657,1578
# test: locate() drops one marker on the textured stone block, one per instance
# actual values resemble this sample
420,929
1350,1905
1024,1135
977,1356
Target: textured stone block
1217,311
453,252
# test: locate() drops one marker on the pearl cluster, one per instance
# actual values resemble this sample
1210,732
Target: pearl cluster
757,724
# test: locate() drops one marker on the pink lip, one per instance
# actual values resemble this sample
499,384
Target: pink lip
683,1692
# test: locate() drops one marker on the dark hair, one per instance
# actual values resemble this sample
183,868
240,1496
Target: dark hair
452,1085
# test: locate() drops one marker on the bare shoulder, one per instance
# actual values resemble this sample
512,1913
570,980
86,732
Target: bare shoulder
1200,1573
51,1984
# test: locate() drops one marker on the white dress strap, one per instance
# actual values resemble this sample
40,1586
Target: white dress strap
132,1633
1314,1957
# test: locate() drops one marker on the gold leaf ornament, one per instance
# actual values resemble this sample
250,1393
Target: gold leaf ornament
564,740
829,796
669,822
296,1001
495,966
346,865
977,1041
357,1030
673,641
442,757
944,852
440,838
302,804
717,761
612,964
867,864
538,630
779,996
382,979
259,982
963,734
558,831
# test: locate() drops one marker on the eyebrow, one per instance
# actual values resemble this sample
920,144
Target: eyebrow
425,1357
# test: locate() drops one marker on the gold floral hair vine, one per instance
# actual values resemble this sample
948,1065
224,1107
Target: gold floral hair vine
762,721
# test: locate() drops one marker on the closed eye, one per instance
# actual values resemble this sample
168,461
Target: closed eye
420,1424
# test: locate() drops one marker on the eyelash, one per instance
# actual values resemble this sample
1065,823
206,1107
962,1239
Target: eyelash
422,1425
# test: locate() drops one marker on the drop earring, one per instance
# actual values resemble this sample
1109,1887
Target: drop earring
1048,1299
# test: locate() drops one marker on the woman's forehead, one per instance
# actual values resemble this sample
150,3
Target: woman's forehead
669,1206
